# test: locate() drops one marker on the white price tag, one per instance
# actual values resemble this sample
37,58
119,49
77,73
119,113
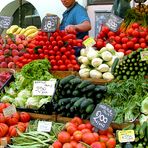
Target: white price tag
44,88
44,126
9,111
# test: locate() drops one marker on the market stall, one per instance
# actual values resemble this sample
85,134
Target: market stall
58,91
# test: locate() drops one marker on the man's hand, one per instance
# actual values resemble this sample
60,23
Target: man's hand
71,29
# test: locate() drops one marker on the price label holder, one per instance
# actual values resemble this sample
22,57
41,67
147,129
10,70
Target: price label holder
44,126
5,22
114,22
44,88
102,116
9,111
49,23
89,42
126,136
144,55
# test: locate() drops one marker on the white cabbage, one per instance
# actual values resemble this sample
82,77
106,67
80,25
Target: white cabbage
103,68
106,56
108,76
83,52
84,73
95,74
92,53
96,62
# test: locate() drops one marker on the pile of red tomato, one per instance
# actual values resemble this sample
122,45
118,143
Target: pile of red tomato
9,125
57,47
78,134
134,37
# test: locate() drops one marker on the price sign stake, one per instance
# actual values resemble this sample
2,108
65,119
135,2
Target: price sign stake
102,116
9,111
114,22
44,88
144,55
89,42
126,136
44,126
49,23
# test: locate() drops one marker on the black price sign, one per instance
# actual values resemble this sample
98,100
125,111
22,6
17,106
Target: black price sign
49,23
102,116
5,22
114,22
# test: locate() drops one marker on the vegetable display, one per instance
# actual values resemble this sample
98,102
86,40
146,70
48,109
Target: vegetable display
132,65
74,95
20,91
98,64
79,134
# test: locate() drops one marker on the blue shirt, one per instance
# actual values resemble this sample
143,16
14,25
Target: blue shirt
73,16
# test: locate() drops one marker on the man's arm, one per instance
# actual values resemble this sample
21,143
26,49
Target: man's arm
83,27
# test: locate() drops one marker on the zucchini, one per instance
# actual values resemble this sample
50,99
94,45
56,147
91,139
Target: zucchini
83,84
85,103
75,93
100,88
128,145
75,81
78,102
88,88
64,101
74,99
99,96
114,65
90,108
65,80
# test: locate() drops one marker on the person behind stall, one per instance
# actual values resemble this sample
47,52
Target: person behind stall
75,19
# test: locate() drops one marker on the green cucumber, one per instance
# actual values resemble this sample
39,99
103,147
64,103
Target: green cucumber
115,63
90,108
88,88
75,93
85,103
64,101
83,84
65,80
78,102
100,89
75,81
74,99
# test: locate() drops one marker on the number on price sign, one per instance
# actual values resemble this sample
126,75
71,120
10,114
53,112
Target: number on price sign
44,88
5,22
114,22
49,23
102,116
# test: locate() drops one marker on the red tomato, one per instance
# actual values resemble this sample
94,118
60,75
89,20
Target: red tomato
63,49
51,57
135,25
55,67
51,38
12,120
73,62
130,31
24,117
57,57
121,50
111,33
73,144
89,126
117,39
103,138
50,47
142,40
60,62
130,44
98,145
96,135
51,52
2,106
111,143
55,48
69,124
124,46
88,138
122,35
79,145
143,45
118,46
85,131
134,39
67,145
53,62
57,144
77,135
71,129
135,33
128,52
136,46
110,129
143,34
62,67
81,126
60,43
63,57
99,44
73,57
2,118
64,137
105,29
67,53
54,43
76,120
